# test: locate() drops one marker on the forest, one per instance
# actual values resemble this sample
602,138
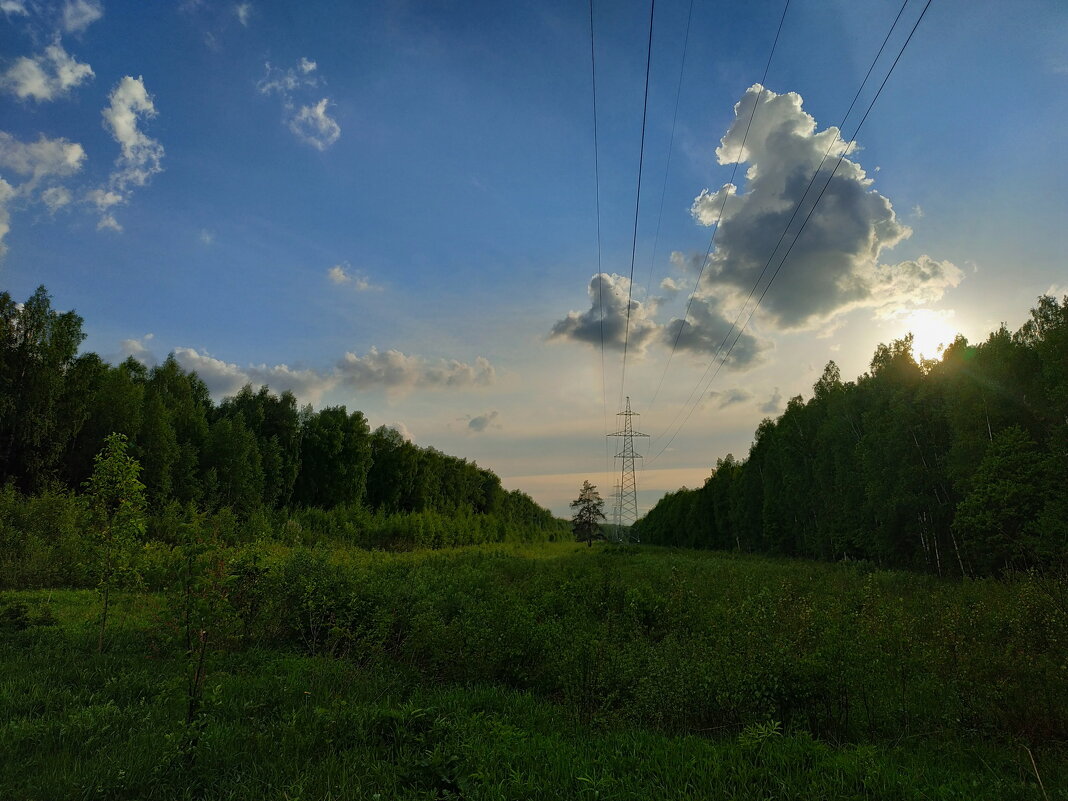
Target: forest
255,463
253,600
956,466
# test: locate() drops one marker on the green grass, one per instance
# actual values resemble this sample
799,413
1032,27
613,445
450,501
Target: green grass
508,672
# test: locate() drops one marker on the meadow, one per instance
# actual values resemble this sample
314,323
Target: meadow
548,670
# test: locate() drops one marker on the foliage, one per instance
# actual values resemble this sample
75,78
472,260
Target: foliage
589,511
956,467
550,672
117,512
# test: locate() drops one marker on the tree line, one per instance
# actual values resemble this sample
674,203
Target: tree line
255,452
958,466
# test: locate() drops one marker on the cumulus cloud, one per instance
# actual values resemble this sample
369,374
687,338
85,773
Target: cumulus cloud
130,103
315,126
608,296
391,370
708,331
482,422
224,378
56,197
834,265
45,159
138,349
46,76
80,14
140,155
401,429
40,159
730,397
244,13
398,371
343,275
310,123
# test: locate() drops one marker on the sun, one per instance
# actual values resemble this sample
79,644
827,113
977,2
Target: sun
931,331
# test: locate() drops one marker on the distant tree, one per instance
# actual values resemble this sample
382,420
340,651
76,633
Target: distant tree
589,509
117,505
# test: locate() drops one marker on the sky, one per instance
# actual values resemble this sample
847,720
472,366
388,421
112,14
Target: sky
394,206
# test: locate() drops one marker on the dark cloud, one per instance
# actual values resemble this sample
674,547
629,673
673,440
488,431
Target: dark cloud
730,397
608,295
483,421
707,331
773,404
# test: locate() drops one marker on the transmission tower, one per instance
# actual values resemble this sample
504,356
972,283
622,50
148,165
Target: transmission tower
627,505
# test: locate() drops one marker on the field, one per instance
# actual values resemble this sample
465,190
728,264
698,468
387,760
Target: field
539,671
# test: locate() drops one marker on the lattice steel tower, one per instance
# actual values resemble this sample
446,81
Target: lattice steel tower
627,508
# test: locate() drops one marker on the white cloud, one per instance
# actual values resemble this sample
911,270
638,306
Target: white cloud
137,349
107,222
56,197
285,82
342,275
391,370
206,237
834,265
401,429
45,157
140,159
14,8
314,125
244,13
7,192
80,14
397,371
46,76
606,319
224,378
140,155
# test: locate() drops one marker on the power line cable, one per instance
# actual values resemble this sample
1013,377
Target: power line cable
600,272
811,210
637,202
722,205
671,146
771,257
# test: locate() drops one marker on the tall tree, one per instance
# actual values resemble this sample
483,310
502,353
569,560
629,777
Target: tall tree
589,511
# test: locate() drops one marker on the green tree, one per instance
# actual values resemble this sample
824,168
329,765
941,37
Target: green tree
589,510
117,509
37,349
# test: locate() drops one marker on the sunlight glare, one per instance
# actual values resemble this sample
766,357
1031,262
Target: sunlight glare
931,331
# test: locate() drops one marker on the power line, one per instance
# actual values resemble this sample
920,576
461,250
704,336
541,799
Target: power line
811,210
600,272
797,207
723,204
671,145
637,201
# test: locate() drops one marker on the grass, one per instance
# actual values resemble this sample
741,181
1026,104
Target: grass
550,672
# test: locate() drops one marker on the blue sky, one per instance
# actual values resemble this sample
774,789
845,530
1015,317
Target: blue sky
391,205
